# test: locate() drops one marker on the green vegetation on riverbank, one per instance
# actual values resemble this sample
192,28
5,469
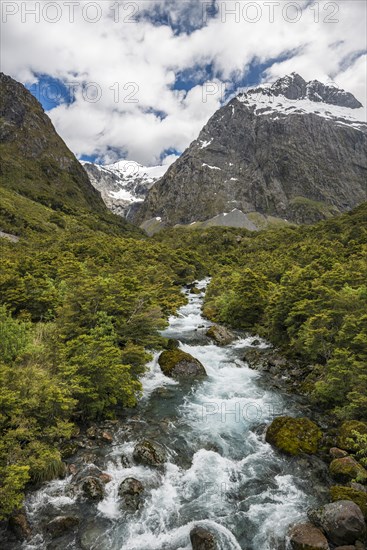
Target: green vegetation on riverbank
305,289
80,310
79,313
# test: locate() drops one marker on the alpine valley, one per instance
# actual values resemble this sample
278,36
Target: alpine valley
183,348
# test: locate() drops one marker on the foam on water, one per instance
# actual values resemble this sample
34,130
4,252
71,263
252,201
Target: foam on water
231,482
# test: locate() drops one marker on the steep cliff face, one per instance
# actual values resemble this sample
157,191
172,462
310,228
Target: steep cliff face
35,162
293,150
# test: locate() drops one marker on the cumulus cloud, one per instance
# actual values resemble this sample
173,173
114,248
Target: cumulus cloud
124,66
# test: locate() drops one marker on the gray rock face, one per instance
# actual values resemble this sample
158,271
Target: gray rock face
342,522
293,151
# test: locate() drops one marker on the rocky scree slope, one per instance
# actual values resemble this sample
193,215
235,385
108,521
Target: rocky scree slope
293,150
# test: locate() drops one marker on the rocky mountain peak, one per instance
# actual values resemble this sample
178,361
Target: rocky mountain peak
292,151
293,87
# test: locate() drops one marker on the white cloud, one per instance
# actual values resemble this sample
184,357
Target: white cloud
114,54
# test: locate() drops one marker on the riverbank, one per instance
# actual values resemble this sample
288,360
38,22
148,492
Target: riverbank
218,472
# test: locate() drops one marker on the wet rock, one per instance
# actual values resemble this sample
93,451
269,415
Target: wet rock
346,437
106,437
306,536
72,469
149,453
125,461
195,290
294,435
348,469
178,364
201,539
92,488
105,478
90,470
337,453
19,525
340,492
130,491
342,522
92,432
93,535
61,525
345,548
221,335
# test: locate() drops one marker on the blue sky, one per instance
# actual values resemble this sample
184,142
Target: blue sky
141,83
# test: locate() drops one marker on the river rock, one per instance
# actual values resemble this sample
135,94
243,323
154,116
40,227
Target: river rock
19,525
195,290
61,524
105,478
221,335
149,453
179,364
347,469
294,435
306,536
342,522
355,494
201,539
92,488
337,453
130,491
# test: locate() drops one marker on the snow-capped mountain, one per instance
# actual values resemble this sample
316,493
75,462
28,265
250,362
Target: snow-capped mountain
124,184
292,94
293,150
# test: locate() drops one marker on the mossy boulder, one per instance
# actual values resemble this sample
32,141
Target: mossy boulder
340,492
346,437
176,363
221,335
195,290
294,436
347,469
172,344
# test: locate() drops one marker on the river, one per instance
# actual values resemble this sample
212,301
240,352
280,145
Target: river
221,474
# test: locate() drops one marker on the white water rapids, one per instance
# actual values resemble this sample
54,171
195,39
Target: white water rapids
220,474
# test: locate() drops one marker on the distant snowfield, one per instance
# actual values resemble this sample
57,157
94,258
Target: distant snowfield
124,182
266,104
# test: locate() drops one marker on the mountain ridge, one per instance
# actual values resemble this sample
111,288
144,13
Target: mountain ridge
266,153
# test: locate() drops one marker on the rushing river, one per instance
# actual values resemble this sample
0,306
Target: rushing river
221,474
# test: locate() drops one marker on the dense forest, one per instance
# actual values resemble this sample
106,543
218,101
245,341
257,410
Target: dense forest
81,310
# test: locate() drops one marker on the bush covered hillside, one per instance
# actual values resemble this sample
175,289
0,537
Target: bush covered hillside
78,316
303,288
